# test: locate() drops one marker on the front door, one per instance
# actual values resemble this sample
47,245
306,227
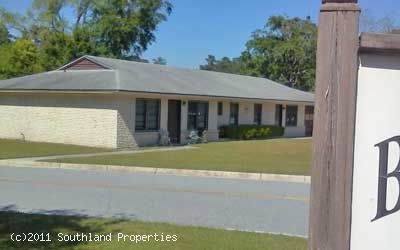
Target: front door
174,120
278,114
309,120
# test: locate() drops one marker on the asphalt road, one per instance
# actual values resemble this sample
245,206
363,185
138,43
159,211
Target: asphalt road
276,207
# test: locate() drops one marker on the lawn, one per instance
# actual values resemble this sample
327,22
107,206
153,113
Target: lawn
187,237
17,149
278,156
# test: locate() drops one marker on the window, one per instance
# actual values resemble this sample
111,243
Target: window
234,114
291,116
257,113
278,114
147,115
198,116
220,108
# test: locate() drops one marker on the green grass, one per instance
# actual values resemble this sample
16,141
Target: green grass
279,156
194,238
17,149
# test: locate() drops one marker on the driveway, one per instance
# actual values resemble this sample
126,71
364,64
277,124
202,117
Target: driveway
277,207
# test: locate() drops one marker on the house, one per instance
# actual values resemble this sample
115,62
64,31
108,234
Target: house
103,102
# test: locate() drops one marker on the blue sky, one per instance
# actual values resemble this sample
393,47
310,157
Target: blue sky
196,29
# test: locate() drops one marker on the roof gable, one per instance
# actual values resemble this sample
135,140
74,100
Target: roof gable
84,63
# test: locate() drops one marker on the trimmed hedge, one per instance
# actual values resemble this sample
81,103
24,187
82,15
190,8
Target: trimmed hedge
248,132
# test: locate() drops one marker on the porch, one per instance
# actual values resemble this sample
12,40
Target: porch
177,117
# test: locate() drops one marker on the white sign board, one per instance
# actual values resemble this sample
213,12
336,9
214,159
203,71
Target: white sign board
376,181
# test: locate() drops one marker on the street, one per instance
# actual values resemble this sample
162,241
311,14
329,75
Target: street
276,207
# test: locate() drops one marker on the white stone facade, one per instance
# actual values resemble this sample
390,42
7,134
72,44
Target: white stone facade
69,119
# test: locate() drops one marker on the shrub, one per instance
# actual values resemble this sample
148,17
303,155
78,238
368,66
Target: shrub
248,132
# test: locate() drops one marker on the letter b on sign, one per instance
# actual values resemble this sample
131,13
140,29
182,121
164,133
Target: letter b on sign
382,210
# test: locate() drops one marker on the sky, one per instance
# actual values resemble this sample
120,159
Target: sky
196,29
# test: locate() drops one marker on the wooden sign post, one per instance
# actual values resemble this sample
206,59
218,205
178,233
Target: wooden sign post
333,137
355,184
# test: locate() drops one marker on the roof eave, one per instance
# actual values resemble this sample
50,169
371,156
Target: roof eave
115,91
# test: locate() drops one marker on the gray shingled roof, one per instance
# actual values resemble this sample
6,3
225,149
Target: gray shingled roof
150,78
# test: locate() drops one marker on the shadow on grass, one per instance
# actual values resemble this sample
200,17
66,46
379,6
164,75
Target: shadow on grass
196,238
16,222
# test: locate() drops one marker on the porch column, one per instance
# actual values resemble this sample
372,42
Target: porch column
283,115
184,114
212,132
164,114
300,115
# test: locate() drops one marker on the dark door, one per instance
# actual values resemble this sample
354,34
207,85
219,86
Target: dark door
309,120
234,114
174,120
278,114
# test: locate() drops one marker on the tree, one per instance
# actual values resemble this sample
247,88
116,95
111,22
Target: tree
47,15
82,9
160,60
5,68
251,65
288,47
371,23
211,64
4,34
225,65
127,27
113,28
55,49
284,51
19,58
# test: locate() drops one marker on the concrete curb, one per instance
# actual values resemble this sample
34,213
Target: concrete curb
52,157
164,171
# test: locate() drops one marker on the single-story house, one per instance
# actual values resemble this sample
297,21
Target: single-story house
103,102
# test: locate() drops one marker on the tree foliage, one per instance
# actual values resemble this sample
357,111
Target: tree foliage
370,23
113,28
4,34
126,26
160,60
19,58
284,51
225,65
